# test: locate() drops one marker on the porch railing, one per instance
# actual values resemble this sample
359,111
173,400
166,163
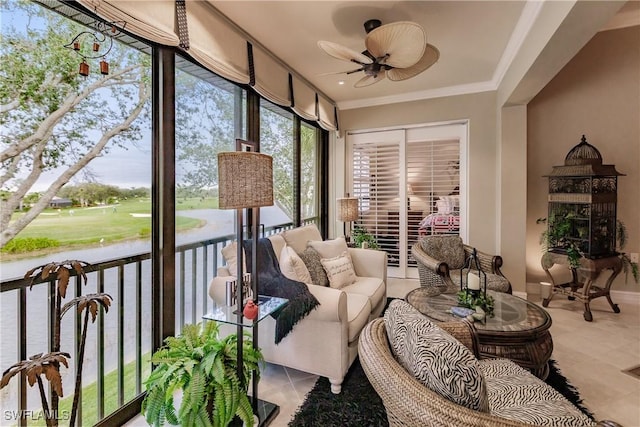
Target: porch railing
113,375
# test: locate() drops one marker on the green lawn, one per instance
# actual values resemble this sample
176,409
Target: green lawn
129,219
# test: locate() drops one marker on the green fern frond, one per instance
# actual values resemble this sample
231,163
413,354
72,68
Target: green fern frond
219,407
170,412
197,388
245,411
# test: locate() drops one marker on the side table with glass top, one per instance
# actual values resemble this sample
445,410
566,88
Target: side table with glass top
265,411
518,330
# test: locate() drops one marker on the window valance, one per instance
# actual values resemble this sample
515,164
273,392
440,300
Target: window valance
220,46
154,23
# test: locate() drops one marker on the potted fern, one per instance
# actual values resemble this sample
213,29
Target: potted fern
204,367
364,239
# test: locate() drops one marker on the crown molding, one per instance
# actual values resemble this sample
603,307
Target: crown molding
628,16
520,32
419,95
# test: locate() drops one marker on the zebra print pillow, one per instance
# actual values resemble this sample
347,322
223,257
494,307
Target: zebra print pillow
435,358
517,395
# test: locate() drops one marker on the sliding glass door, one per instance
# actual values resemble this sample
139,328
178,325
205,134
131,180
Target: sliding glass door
410,183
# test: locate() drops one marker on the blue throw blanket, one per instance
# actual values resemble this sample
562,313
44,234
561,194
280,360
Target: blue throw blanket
272,282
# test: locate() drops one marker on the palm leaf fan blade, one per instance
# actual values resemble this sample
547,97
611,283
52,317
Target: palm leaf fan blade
430,57
369,80
342,52
403,41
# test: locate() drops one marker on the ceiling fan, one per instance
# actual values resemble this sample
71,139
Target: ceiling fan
397,51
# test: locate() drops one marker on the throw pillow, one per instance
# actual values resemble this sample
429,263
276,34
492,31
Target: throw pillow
329,248
293,267
339,270
311,260
434,357
230,256
298,237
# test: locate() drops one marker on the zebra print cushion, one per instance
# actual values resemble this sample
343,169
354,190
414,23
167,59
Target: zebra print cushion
517,395
435,358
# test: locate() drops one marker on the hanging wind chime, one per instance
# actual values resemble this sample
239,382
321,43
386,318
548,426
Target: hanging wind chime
100,41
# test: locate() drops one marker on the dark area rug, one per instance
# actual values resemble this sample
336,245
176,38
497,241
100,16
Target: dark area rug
358,405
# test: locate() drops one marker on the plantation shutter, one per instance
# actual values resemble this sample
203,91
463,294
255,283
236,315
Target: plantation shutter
434,179
376,183
402,179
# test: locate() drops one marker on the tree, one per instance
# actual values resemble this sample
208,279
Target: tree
276,139
52,119
205,126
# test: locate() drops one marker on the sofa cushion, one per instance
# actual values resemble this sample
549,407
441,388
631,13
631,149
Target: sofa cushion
277,242
339,270
372,287
230,256
297,238
435,358
311,260
514,393
329,248
449,249
358,311
292,266
495,282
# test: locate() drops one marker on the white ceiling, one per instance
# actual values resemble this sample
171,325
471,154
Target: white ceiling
471,37
476,39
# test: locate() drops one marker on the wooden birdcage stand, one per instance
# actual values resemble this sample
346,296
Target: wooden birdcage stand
582,286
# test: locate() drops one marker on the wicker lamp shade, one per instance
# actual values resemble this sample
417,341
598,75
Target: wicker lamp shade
245,180
347,209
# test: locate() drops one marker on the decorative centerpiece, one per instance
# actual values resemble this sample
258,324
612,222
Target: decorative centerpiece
473,291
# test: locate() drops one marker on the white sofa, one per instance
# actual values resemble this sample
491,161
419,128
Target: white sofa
325,342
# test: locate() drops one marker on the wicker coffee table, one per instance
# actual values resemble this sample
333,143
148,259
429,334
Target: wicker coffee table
519,330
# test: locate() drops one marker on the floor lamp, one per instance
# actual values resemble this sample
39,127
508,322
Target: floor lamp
347,212
245,181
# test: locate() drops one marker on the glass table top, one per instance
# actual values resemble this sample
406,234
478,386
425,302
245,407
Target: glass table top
228,314
510,313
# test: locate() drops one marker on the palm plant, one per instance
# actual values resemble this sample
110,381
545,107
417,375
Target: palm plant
49,363
38,365
205,368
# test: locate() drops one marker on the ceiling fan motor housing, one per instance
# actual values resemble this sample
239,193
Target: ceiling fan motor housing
371,25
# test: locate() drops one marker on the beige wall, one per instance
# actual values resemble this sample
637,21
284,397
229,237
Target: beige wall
597,94
480,110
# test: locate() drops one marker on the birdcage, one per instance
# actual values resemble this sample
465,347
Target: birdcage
582,204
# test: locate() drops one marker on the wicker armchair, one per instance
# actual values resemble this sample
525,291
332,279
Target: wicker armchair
440,258
406,400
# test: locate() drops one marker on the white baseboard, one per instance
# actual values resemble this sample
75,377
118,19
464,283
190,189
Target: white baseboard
520,294
617,296
626,296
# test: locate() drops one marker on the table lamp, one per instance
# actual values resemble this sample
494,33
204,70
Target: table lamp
347,212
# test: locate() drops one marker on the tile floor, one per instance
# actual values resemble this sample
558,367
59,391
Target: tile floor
591,355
